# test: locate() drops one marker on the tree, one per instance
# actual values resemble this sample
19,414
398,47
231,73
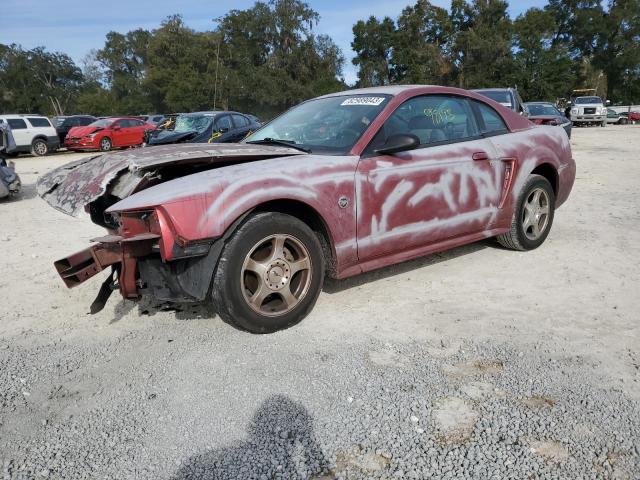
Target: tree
482,46
373,43
422,46
123,59
270,46
617,48
543,68
37,81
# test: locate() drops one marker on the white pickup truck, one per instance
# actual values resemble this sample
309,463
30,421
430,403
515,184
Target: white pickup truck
588,110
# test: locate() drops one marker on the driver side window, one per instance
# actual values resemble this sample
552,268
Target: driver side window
434,119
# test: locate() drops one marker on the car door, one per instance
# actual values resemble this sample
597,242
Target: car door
118,133
448,187
137,131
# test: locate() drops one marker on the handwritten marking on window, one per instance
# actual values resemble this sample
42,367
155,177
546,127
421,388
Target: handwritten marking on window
440,115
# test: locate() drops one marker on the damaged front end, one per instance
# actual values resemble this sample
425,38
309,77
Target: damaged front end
143,249
138,264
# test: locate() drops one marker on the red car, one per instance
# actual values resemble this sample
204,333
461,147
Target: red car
631,116
108,133
338,185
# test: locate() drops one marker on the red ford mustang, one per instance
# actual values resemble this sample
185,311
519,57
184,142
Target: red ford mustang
338,185
107,133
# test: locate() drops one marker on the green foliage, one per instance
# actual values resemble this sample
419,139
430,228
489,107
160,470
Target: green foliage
544,52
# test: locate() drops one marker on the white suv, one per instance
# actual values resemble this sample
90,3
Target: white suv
32,133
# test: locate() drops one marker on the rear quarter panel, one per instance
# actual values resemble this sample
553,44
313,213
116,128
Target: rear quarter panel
532,147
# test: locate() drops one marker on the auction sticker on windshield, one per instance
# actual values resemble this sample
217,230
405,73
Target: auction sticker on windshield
363,101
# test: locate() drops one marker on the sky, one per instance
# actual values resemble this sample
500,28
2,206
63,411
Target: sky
77,26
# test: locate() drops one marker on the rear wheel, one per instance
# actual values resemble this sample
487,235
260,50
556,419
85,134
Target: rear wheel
39,147
105,144
270,273
533,216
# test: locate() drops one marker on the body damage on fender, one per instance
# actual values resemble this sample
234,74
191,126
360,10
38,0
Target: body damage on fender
370,210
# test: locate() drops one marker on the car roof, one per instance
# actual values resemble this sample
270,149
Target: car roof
211,113
384,90
539,103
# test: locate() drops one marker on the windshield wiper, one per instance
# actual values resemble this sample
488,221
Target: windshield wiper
284,143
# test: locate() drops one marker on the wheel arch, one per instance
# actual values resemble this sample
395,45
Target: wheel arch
548,171
38,136
308,215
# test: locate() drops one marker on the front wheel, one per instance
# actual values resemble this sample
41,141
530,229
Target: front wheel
270,273
105,144
533,216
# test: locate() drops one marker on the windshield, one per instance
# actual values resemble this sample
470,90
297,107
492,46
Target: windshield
542,109
331,125
583,100
104,123
192,123
503,98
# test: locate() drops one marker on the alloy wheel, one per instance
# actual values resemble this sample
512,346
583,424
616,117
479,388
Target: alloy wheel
40,148
535,214
276,275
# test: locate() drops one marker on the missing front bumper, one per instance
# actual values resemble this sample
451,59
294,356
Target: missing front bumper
122,253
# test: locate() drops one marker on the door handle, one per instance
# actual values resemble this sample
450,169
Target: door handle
480,156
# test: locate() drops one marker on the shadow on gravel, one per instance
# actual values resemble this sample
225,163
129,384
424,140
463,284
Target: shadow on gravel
148,307
27,192
281,444
335,286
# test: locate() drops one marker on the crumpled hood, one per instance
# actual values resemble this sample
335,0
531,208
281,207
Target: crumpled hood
163,137
113,176
82,131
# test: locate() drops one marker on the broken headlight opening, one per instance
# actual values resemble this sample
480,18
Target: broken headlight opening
182,249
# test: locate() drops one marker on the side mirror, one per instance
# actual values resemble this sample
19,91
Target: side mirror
223,129
115,127
399,142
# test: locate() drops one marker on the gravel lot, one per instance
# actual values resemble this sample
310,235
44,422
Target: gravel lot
477,363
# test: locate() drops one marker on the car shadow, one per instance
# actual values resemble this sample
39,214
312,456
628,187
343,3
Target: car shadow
332,285
147,306
27,192
281,444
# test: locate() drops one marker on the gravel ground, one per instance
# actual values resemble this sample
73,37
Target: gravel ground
476,363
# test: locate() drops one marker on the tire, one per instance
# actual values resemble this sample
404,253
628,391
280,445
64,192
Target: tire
524,238
254,244
39,147
105,144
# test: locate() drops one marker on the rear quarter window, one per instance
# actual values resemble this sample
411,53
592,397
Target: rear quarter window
39,122
491,121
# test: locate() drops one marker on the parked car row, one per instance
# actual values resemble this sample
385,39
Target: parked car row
40,135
